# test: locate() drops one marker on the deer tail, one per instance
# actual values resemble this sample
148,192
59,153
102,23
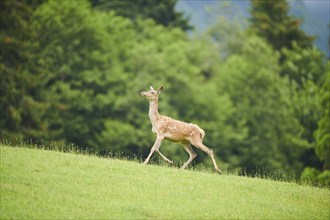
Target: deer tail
202,132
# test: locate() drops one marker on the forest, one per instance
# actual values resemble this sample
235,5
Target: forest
71,73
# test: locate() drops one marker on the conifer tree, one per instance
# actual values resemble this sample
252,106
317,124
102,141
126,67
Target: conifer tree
19,109
271,20
161,11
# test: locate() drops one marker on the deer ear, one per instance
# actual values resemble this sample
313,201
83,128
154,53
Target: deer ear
152,88
161,89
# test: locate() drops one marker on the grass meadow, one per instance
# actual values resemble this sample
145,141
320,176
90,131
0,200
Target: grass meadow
42,184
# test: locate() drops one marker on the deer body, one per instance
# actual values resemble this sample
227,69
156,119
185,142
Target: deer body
165,127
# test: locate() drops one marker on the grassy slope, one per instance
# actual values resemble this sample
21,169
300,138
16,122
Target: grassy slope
48,184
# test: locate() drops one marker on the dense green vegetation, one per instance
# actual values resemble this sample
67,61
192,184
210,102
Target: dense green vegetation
72,71
39,184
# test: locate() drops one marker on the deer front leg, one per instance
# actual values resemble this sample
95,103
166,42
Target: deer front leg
154,148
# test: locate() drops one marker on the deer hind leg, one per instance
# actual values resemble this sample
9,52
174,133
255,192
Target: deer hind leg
164,158
191,153
209,151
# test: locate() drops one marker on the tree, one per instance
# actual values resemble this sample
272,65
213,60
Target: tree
20,110
305,69
161,11
322,134
271,21
81,54
262,100
322,138
301,63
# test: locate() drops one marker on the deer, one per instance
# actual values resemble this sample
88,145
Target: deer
165,127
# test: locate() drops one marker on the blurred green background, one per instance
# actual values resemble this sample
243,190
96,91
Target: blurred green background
254,80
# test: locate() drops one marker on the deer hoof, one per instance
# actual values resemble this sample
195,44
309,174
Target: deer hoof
219,171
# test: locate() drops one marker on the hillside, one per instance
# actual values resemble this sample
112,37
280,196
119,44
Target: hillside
39,184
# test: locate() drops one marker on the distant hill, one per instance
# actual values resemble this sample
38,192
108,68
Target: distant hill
314,13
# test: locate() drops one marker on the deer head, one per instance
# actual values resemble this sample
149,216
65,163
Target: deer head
152,94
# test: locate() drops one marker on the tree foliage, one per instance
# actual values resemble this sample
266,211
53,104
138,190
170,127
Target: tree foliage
322,134
161,11
271,20
261,98
72,72
83,71
19,105
305,69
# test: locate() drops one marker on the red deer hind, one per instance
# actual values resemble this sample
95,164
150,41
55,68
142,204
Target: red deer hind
176,131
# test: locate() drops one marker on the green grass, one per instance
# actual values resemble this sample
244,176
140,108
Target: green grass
39,184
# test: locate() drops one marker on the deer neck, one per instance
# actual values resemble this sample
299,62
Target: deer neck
153,112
